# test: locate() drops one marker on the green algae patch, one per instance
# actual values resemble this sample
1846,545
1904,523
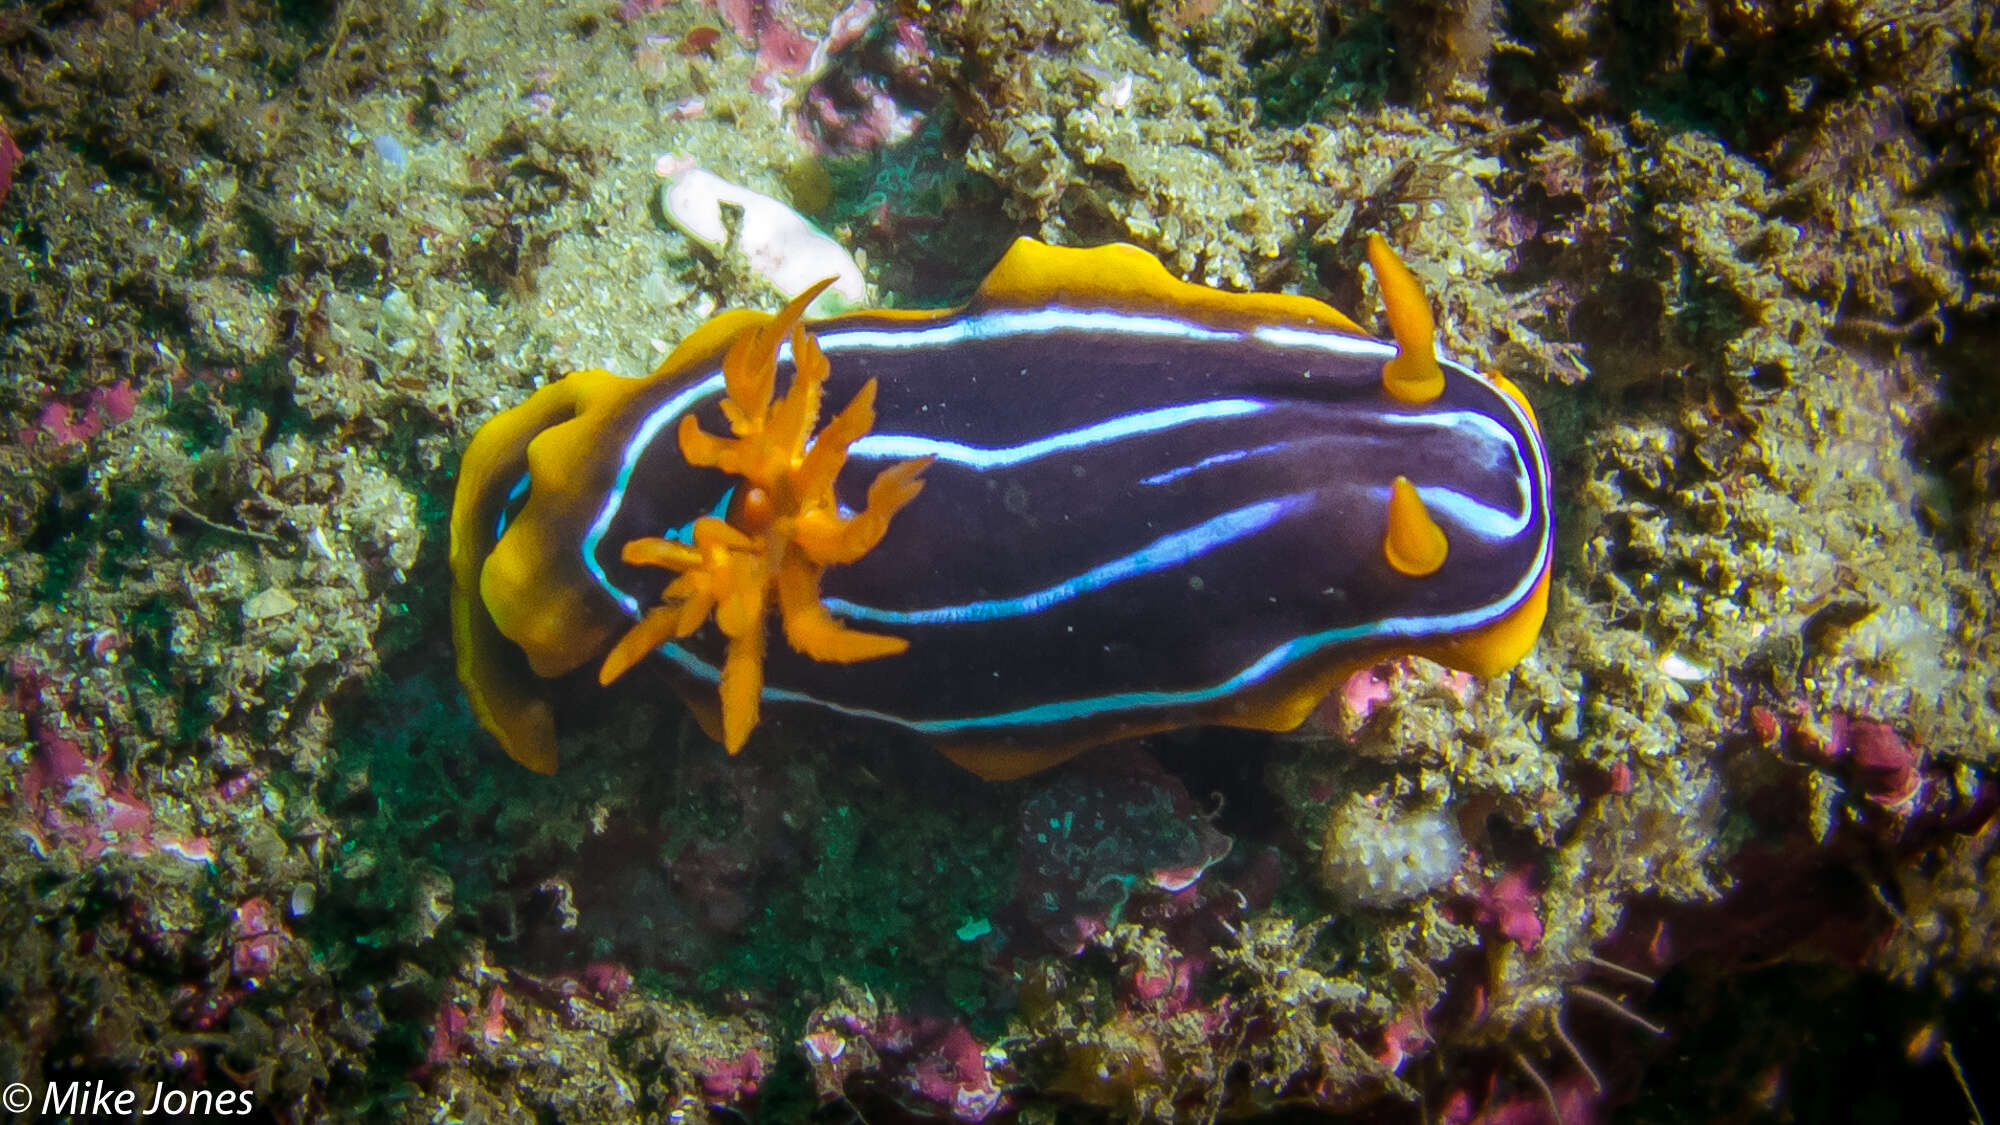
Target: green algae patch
1300,78
879,905
929,225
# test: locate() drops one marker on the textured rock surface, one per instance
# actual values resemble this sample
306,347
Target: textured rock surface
266,268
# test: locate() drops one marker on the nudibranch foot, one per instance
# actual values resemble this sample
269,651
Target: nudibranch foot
1093,503
781,533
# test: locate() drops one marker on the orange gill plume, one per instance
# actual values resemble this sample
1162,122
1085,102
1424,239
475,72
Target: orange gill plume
784,529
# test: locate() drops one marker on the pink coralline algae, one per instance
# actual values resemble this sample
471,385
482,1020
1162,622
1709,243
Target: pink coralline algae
854,114
1793,892
1903,802
603,983
493,1023
455,1031
1510,908
781,49
10,155
1364,692
74,422
256,937
822,85
1166,986
1093,841
607,980
70,799
448,1036
1883,765
205,1009
1875,761
1794,889
732,1080
1404,1038
928,1067
784,53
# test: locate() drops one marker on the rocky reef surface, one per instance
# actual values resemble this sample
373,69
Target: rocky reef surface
1721,848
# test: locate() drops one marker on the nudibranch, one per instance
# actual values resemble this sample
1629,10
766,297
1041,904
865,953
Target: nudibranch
1092,503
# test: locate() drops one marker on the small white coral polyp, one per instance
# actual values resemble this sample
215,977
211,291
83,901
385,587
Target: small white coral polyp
1378,855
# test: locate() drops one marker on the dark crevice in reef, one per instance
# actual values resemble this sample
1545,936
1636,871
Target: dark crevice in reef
1960,442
